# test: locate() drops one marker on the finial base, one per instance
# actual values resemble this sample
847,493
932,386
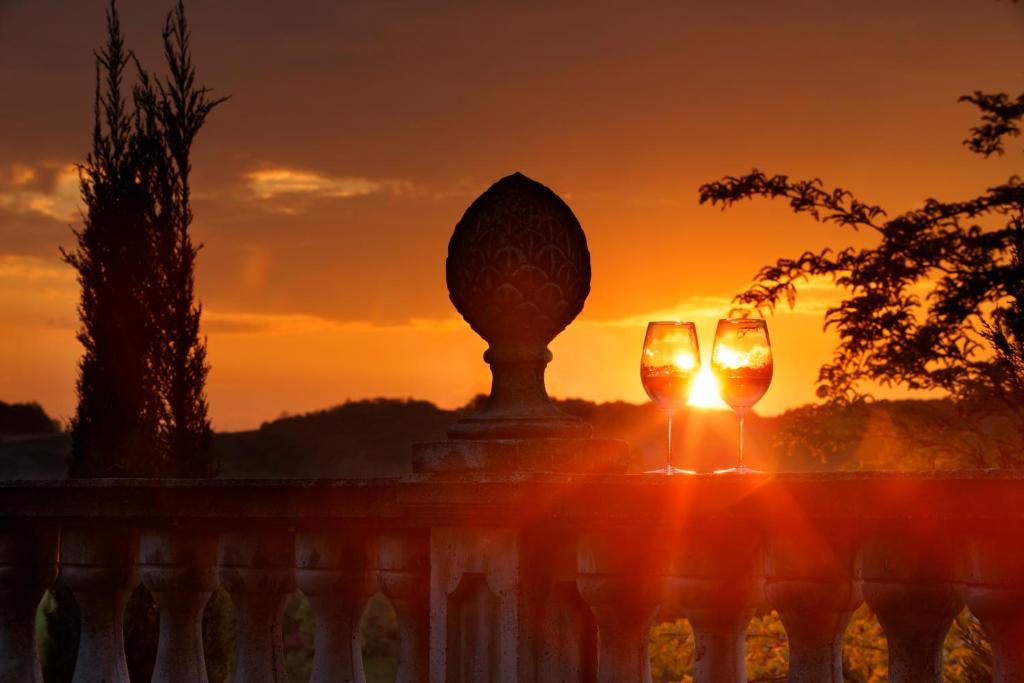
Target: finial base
484,427
518,406
507,456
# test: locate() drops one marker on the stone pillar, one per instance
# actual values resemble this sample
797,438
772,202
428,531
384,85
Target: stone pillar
336,571
813,583
910,583
717,584
98,565
623,576
404,562
28,564
178,568
258,569
502,608
994,592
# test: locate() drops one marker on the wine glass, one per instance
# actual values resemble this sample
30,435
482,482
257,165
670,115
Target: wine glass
741,359
668,366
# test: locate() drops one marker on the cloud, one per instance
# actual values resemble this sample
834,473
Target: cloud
47,189
287,183
240,322
36,293
29,268
814,298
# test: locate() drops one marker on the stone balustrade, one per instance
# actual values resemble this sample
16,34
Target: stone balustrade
522,577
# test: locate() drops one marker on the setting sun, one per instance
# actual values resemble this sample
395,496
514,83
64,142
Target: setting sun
704,394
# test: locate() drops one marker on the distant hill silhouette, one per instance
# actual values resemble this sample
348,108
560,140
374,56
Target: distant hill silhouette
23,419
355,439
31,443
374,438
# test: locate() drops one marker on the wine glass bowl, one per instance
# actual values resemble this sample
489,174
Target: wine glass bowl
668,367
741,360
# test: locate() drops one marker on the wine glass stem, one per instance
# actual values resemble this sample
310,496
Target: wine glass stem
742,414
668,466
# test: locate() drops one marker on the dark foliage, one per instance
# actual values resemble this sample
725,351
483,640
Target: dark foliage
1000,118
58,647
973,657
175,110
936,304
893,435
142,407
219,636
18,419
359,438
115,428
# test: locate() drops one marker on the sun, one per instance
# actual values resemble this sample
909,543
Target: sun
704,393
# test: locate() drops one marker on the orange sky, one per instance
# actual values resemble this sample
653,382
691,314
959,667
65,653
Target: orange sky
357,134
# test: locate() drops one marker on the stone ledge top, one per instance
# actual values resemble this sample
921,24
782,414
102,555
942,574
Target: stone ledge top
946,498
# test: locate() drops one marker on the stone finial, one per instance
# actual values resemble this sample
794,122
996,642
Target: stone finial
518,271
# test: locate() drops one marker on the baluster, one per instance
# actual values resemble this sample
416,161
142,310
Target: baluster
99,568
178,567
335,571
718,583
994,592
623,577
909,582
557,630
811,580
404,562
258,569
28,564
475,605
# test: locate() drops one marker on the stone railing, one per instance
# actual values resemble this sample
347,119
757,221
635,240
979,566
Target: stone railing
543,577
519,550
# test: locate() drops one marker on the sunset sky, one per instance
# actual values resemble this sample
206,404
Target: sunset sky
358,132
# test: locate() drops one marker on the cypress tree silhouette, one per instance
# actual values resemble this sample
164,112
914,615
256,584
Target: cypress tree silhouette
142,407
114,430
176,109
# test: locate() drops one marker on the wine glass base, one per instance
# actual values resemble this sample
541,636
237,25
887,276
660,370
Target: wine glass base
739,469
669,469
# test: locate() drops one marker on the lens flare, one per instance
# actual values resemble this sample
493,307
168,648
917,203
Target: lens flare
704,392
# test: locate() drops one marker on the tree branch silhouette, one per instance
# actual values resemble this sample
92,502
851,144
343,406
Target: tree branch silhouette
936,303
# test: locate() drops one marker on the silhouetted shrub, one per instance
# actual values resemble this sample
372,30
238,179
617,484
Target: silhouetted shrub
18,419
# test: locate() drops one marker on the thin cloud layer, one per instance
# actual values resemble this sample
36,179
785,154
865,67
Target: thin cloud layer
242,322
277,182
288,190
50,190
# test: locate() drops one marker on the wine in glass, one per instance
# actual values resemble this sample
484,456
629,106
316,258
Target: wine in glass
669,364
742,361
